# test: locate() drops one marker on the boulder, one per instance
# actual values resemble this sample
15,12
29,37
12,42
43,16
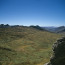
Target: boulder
58,57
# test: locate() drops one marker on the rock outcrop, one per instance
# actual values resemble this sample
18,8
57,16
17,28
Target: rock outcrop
58,57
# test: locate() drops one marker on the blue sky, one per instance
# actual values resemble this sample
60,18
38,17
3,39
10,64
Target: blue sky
32,12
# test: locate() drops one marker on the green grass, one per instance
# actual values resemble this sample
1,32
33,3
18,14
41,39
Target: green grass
25,46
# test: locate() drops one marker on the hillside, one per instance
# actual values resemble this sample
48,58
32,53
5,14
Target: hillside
25,46
38,27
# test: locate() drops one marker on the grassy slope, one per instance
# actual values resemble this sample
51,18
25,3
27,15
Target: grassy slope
25,46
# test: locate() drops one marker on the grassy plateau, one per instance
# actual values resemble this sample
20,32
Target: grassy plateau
25,46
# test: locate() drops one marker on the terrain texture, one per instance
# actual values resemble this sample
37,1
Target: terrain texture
21,45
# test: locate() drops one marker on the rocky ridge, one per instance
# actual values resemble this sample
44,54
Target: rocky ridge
58,57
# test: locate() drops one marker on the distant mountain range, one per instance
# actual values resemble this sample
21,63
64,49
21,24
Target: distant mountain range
51,28
60,29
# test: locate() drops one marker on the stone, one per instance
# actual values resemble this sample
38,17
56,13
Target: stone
58,57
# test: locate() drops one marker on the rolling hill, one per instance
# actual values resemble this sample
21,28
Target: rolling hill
23,45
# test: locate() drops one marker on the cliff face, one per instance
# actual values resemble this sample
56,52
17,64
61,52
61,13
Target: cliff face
58,57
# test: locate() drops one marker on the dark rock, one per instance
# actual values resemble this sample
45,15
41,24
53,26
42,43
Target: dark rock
58,57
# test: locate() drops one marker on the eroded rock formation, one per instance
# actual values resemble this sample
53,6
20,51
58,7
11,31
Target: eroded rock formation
58,57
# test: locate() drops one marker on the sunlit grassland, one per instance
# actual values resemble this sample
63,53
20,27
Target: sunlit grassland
25,46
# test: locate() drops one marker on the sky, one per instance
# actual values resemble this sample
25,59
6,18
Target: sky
32,12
